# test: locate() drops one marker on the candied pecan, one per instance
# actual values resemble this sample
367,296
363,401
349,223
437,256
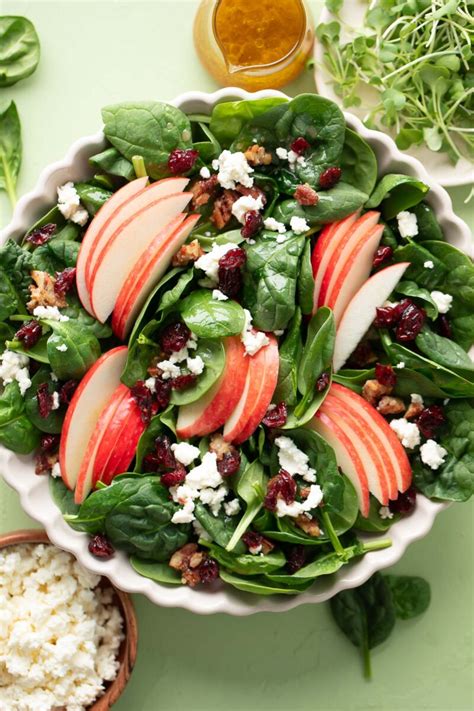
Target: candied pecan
382,255
257,155
308,525
276,416
430,420
295,558
45,461
390,405
414,409
180,558
372,391
256,543
203,191
100,547
195,565
41,235
64,281
228,456
187,253
29,334
174,478
254,192
280,486
305,195
386,375
222,212
174,337
44,294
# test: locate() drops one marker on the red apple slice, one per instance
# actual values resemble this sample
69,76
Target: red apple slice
257,395
326,244
125,246
360,312
147,271
373,420
118,443
207,414
346,455
85,478
91,396
93,234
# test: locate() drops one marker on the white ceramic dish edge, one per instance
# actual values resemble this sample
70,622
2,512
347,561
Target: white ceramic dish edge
34,491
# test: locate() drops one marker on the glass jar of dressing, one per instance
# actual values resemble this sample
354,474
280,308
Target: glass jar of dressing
254,44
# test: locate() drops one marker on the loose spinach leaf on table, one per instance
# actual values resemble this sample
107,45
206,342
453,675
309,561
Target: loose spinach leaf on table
150,129
290,352
111,161
135,513
213,355
333,204
53,422
358,162
159,572
270,280
208,318
411,595
229,117
17,432
396,193
249,484
82,349
10,150
19,49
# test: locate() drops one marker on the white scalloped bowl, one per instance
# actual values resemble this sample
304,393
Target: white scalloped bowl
18,471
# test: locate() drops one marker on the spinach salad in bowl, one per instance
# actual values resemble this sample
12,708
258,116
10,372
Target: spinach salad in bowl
236,348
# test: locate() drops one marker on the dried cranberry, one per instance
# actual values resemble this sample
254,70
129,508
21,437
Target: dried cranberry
385,375
410,324
208,571
164,453
45,400
295,558
233,259
174,478
253,223
405,503
300,145
181,382
162,393
330,177
276,416
282,485
181,161
44,462
41,235
29,334
145,401
64,281
66,391
387,316
229,272
444,326
382,255
229,463
101,547
174,337
252,539
430,420
322,382
49,442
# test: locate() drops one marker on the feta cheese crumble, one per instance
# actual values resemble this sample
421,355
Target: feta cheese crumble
407,224
56,470
416,399
253,340
293,158
62,348
209,262
232,508
407,432
169,369
428,264
185,453
55,401
293,460
195,365
273,225
246,204
400,365
50,313
205,173
150,384
433,454
14,366
59,632
217,295
298,225
385,513
443,301
232,169
69,204
297,508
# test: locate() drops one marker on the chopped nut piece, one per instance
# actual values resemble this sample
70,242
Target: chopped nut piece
43,294
373,391
45,462
391,405
308,525
187,253
305,195
203,190
257,155
219,446
414,409
254,192
196,559
195,565
222,213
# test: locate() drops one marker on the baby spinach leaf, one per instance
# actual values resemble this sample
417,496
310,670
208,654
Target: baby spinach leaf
16,431
418,255
150,129
111,161
209,318
19,49
249,484
82,349
38,352
374,523
306,281
147,440
206,241
76,313
6,332
207,146
245,563
358,162
428,226
92,196
325,564
410,288
62,496
53,422
333,204
10,149
213,354
318,350
411,381
411,595
290,352
445,352
140,354
55,255
220,528
52,216
9,302
152,301
270,280
135,513
354,379
159,572
170,297
396,193
229,117
261,586
288,532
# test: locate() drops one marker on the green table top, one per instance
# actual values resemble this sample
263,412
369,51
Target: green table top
97,52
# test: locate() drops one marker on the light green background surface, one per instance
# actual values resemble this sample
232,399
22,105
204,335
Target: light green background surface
94,53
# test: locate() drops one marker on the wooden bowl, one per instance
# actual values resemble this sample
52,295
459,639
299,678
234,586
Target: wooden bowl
128,649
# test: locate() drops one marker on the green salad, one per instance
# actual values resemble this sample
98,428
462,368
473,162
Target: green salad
236,346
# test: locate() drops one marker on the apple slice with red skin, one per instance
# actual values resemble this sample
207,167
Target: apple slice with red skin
85,478
119,440
125,246
257,395
92,394
94,232
210,412
147,271
327,242
383,433
347,456
361,310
